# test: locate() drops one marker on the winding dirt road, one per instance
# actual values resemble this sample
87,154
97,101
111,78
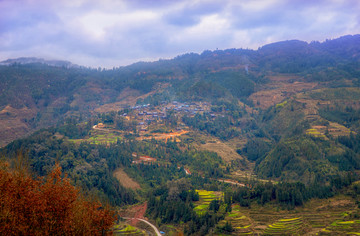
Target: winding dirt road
147,222
153,226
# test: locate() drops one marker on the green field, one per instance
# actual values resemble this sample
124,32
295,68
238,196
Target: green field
240,222
341,227
335,216
287,226
205,197
100,137
125,229
315,133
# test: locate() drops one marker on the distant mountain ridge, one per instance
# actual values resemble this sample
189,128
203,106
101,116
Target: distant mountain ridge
36,92
34,60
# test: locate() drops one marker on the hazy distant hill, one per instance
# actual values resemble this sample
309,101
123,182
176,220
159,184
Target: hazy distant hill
34,60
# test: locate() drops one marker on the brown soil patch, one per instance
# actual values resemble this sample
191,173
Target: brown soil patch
128,92
279,88
147,158
237,67
125,180
320,127
137,211
336,130
166,136
311,106
261,227
143,159
341,203
224,151
128,97
265,99
336,203
283,77
13,124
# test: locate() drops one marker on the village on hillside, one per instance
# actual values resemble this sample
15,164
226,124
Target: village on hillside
148,115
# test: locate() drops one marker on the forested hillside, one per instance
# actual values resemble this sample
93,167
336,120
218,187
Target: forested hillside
36,95
208,141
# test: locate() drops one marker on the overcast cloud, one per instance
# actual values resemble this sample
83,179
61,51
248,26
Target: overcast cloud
110,33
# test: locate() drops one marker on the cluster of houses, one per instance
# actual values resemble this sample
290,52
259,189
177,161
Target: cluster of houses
188,108
147,114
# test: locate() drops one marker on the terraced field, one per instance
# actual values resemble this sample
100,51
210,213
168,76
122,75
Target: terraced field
333,129
315,133
292,226
205,197
335,216
241,223
339,227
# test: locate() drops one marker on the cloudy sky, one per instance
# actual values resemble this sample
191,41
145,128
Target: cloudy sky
110,33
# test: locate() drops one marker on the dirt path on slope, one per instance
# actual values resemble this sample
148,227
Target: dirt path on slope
125,180
134,213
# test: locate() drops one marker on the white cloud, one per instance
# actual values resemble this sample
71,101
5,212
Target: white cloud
98,24
257,5
111,33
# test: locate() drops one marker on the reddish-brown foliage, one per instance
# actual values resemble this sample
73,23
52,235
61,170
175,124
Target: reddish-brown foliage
49,206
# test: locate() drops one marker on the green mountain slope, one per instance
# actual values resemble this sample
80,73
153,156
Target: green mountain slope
290,101
315,135
222,142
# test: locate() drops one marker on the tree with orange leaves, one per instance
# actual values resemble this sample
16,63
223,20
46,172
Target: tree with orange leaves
48,206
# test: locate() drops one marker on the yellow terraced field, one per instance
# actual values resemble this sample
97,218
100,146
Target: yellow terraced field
205,197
